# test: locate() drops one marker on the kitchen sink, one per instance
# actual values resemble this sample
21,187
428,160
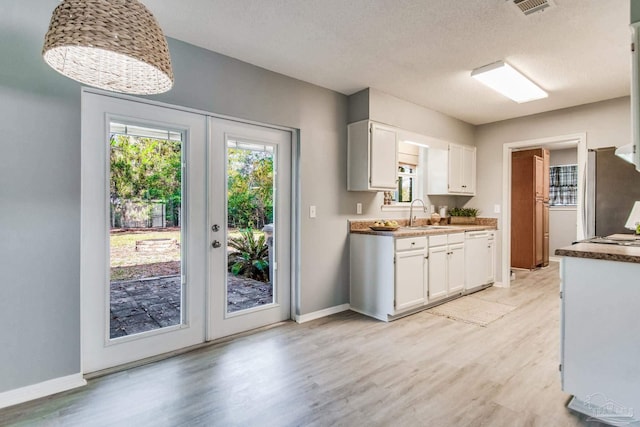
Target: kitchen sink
429,227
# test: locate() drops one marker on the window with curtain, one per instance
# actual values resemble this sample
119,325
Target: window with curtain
563,185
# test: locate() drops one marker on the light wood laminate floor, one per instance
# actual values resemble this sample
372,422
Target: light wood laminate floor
346,370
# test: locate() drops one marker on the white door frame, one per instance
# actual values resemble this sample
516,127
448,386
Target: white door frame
295,192
99,351
507,149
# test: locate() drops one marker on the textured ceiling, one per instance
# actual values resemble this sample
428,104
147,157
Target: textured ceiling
420,50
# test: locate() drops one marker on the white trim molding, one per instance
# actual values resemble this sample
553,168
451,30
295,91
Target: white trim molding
578,140
302,318
45,388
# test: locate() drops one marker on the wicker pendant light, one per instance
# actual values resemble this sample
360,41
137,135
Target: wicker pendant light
110,44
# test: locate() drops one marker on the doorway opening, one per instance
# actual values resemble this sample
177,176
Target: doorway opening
579,141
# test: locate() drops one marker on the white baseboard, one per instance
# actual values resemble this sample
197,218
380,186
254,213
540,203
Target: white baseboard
36,391
322,313
498,284
555,258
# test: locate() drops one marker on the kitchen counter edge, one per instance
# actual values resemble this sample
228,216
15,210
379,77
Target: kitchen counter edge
406,232
601,252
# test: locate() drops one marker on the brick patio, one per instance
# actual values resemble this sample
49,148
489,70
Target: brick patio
147,304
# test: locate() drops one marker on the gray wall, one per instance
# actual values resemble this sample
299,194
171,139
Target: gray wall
39,206
381,107
359,106
40,175
388,109
567,156
216,83
606,123
40,191
562,228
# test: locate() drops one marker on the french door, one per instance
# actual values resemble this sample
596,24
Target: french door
249,226
158,304
156,182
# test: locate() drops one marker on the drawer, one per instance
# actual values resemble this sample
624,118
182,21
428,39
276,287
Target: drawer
438,240
455,238
411,243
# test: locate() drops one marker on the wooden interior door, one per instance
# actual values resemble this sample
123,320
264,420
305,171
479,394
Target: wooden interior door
529,208
522,212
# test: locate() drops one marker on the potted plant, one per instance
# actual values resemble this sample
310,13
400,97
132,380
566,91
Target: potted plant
463,215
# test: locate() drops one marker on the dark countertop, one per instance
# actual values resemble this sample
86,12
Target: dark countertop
602,252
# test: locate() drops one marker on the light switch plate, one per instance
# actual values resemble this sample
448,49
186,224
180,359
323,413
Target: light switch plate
312,211
496,208
359,208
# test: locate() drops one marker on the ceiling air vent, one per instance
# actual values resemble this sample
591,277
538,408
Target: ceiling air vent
532,6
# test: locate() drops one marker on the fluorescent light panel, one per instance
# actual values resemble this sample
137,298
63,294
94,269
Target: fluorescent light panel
506,80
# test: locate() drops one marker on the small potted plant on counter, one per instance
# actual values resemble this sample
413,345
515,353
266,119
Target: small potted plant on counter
463,215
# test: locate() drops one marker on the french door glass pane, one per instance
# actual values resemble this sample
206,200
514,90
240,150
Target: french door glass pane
145,229
250,217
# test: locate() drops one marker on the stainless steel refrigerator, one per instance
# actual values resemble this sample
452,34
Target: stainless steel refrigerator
612,186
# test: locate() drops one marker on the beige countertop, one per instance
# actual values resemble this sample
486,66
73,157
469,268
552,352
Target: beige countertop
362,227
601,251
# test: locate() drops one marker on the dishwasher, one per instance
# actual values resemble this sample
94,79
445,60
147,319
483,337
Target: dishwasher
478,259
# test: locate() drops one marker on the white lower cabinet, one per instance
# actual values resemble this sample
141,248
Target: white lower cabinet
391,277
599,337
410,285
446,265
456,268
438,272
388,276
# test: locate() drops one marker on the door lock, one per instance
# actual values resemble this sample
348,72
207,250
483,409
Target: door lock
215,227
216,244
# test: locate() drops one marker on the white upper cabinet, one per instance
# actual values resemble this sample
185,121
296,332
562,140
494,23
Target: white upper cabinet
468,171
372,157
452,171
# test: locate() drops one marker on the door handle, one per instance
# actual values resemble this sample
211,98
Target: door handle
216,244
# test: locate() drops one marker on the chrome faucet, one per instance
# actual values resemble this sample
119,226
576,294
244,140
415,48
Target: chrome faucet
411,217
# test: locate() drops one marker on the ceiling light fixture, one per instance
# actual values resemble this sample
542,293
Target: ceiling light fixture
110,44
507,81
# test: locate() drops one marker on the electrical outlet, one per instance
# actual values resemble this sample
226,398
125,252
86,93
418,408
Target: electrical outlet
359,208
312,211
496,208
